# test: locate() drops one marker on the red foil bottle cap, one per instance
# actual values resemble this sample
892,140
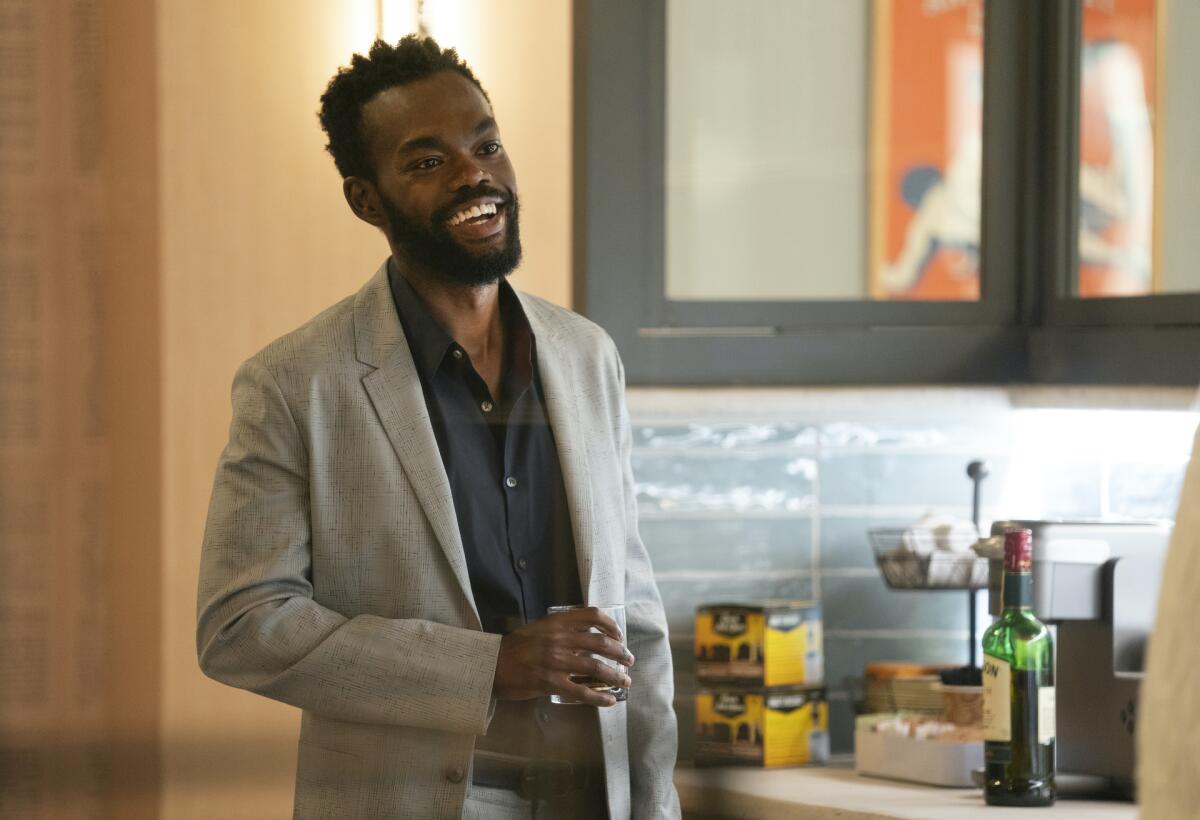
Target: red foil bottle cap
1018,550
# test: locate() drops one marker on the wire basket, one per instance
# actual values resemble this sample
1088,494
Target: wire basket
918,559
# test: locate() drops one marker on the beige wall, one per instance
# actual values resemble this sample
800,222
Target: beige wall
255,239
521,52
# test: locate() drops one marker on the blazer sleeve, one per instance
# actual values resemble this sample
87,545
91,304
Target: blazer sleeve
258,627
652,732
1169,709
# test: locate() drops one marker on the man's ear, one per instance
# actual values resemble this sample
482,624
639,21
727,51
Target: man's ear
363,198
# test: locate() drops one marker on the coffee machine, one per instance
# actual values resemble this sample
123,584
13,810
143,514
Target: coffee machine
1096,584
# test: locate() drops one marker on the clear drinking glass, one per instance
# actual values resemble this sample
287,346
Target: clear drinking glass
617,613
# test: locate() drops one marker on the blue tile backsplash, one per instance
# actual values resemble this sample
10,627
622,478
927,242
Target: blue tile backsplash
755,494
724,481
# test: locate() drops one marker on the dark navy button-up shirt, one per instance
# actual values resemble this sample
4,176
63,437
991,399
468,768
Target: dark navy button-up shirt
500,456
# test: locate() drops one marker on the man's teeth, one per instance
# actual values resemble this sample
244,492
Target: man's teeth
486,209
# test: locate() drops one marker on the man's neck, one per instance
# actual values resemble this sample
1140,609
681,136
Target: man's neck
470,315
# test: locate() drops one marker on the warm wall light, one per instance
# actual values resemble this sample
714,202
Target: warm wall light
396,18
352,29
467,25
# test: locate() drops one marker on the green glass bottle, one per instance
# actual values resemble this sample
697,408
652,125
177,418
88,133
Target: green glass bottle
1018,690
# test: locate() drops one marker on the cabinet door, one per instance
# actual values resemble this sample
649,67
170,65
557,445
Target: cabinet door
788,191
889,191
1139,128
820,150
1129,305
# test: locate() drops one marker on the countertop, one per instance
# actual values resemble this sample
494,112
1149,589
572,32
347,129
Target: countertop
836,791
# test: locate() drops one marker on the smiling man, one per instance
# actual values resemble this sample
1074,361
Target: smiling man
414,477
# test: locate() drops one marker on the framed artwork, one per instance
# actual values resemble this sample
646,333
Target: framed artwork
926,148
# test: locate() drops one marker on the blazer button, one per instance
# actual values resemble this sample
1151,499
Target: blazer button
456,774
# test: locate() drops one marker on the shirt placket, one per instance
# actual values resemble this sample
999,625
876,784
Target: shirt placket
496,415
517,487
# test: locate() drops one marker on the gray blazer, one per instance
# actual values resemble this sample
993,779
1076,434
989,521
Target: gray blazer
333,576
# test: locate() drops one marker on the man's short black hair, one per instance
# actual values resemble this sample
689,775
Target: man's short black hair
413,58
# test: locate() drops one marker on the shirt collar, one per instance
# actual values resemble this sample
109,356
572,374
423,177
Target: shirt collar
522,346
428,340
431,344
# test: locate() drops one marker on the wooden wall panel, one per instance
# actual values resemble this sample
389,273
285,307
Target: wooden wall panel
132,311
57,443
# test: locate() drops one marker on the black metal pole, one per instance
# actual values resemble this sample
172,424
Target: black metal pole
971,621
977,471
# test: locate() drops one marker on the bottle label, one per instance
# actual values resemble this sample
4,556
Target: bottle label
997,692
1046,714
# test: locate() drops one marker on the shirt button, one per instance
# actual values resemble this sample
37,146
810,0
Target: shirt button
522,563
456,774
486,407
510,482
456,353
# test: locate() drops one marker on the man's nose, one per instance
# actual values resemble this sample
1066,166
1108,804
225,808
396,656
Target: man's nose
468,173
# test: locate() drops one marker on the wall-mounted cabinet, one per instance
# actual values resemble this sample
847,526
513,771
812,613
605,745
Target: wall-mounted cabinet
889,191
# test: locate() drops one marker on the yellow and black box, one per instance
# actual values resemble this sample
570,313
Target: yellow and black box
760,727
768,643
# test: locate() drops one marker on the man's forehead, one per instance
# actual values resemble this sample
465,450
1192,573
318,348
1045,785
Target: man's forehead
442,100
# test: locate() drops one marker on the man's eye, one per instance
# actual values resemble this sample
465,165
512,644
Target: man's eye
427,164
491,148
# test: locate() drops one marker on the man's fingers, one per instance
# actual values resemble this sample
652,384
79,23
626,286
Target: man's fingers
599,644
587,618
580,692
607,625
587,666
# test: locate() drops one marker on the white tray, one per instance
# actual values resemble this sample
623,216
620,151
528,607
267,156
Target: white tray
936,762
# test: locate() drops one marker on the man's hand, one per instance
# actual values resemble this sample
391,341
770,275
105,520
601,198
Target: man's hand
539,658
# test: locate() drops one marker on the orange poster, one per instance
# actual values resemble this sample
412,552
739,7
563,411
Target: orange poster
926,149
1116,150
926,133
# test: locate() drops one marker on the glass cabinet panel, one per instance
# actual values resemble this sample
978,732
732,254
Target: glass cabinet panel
1177,237
1139,124
823,150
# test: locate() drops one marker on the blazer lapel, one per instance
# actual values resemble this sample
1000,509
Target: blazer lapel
570,439
395,391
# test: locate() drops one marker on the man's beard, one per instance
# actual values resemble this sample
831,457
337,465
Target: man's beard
436,248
